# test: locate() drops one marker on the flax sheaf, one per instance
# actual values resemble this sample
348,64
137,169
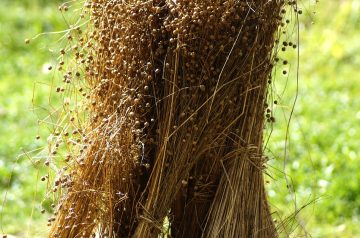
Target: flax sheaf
176,116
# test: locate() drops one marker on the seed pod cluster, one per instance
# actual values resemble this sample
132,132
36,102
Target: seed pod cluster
168,95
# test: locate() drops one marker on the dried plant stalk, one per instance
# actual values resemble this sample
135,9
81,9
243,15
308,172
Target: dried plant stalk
177,93
223,64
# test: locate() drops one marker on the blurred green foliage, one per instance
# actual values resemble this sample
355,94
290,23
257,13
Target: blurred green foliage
23,88
322,153
323,148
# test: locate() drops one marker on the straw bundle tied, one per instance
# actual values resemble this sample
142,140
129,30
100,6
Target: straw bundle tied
176,97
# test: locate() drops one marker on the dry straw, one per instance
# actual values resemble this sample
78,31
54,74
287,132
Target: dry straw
174,107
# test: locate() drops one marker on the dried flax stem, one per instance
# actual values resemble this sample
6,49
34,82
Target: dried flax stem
178,92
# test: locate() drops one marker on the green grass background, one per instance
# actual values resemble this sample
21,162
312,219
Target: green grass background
322,162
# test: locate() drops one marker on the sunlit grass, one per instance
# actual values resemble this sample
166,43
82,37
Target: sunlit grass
23,87
323,149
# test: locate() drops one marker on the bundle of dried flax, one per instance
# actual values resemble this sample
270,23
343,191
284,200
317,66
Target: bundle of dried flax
176,108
